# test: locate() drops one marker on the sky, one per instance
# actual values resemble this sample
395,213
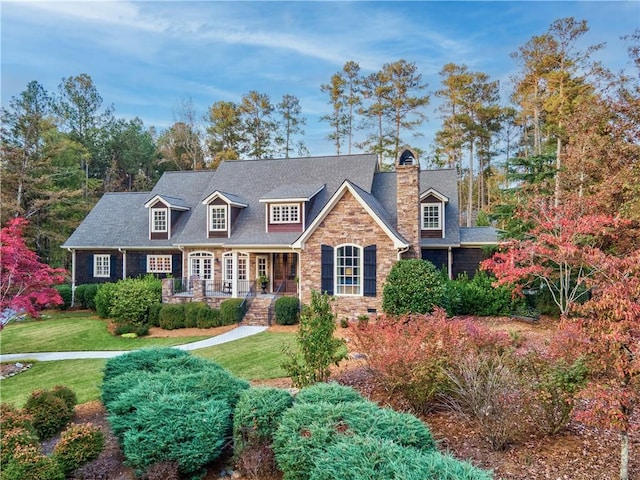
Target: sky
146,57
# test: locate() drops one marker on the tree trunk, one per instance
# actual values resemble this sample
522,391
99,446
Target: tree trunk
470,192
556,193
624,455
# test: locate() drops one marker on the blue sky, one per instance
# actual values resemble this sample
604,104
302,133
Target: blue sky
145,57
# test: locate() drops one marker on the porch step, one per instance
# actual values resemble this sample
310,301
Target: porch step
258,313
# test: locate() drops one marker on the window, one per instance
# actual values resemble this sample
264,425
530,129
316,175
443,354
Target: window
217,218
102,266
348,270
261,267
431,219
201,265
158,263
285,213
159,220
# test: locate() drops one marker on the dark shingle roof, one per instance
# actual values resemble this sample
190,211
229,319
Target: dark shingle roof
478,235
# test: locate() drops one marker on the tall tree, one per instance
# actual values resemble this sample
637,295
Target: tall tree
290,125
78,107
176,146
338,119
375,110
352,97
258,125
224,132
191,142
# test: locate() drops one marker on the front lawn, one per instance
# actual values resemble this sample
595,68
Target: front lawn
73,331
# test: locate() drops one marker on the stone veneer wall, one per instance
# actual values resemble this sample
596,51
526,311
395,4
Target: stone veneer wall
348,222
408,206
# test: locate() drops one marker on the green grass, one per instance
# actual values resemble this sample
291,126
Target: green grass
253,358
258,357
73,331
84,377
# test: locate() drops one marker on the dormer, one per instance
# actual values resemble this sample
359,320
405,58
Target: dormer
287,207
163,213
222,211
432,211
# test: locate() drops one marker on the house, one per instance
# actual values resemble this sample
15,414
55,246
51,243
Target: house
334,224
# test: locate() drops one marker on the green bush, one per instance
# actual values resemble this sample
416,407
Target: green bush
307,430
132,298
413,286
193,311
65,293
50,412
90,293
104,298
317,347
28,462
65,393
230,311
172,316
287,310
257,416
154,314
125,328
143,360
78,445
12,417
179,428
209,318
80,296
478,296
328,392
364,458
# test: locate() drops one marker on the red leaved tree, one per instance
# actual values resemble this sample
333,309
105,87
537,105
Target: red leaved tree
26,284
560,252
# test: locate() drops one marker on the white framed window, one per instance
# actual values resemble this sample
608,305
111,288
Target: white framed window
102,266
431,216
201,265
159,220
261,267
217,218
285,213
158,263
348,267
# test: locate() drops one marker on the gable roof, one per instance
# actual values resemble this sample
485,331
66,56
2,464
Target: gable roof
231,199
291,193
367,201
171,202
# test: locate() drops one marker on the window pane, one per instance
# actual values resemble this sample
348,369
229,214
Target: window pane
348,273
431,216
159,220
218,218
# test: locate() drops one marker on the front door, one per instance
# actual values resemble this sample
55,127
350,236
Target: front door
241,272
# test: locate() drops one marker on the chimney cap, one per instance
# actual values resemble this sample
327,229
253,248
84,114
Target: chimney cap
407,157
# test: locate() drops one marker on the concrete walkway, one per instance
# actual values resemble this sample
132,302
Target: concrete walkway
231,335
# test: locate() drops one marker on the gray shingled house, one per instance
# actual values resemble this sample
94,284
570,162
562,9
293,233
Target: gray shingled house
334,224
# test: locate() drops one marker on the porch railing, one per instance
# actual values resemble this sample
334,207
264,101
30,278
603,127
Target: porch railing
213,288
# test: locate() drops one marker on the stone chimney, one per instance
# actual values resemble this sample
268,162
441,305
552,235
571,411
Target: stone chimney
408,200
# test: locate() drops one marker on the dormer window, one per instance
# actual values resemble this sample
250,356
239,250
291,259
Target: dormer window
159,222
217,218
431,216
285,213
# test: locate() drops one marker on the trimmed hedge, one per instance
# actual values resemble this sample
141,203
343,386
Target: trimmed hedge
478,296
50,412
413,286
257,416
103,299
131,299
230,311
154,314
287,310
65,293
172,316
193,311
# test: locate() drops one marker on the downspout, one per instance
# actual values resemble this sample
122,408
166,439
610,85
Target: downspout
124,263
401,251
73,275
450,263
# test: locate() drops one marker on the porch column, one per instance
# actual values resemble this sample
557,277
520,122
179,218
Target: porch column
234,274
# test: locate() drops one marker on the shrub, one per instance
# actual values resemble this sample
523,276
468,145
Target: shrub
78,445
144,360
317,347
413,286
104,298
478,296
410,355
90,293
329,393
29,463
11,439
258,463
257,415
306,430
105,467
287,310
230,311
154,314
50,412
65,293
132,298
79,295
66,394
487,390
194,311
12,417
172,316
178,428
364,458
208,318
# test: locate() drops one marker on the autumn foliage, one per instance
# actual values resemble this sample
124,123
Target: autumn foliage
26,284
